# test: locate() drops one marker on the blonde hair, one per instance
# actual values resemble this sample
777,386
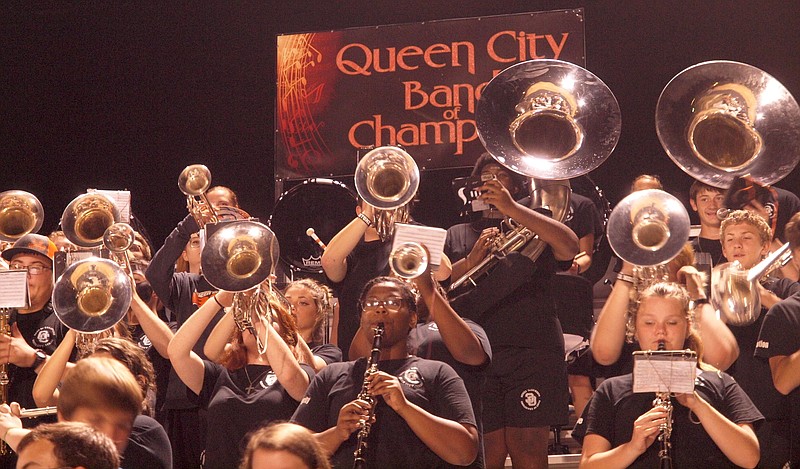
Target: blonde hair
745,216
321,294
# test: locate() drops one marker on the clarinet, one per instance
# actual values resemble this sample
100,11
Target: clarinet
366,425
663,400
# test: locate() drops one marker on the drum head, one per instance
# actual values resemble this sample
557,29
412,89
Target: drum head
322,204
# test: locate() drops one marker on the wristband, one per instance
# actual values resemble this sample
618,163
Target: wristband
365,219
625,278
217,301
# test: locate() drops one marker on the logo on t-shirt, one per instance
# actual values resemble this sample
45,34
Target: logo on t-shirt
433,327
44,336
762,344
530,399
270,379
144,343
411,377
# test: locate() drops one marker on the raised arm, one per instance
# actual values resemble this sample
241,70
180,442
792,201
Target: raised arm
608,335
187,364
720,347
156,330
785,372
45,388
162,267
334,258
217,341
456,334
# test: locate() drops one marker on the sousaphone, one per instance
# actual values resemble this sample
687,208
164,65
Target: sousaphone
720,120
550,121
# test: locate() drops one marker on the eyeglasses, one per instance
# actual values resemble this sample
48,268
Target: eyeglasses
390,304
35,269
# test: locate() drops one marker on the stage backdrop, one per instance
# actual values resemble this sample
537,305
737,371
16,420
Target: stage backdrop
413,85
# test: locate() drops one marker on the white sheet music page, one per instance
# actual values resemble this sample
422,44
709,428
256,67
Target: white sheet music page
14,289
431,237
122,199
663,373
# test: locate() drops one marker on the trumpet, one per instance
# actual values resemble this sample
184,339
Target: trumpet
387,178
408,260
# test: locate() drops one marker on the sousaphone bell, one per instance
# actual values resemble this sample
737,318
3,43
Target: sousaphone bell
720,120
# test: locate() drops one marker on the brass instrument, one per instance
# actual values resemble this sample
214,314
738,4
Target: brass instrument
359,461
734,290
5,329
663,400
648,229
239,256
87,217
194,181
90,297
387,178
720,120
20,213
408,260
551,121
37,412
118,239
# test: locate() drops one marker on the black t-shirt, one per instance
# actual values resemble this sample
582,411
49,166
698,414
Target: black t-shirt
754,375
369,259
432,385
788,205
614,407
148,446
233,412
780,336
42,330
713,247
327,352
514,298
425,341
583,218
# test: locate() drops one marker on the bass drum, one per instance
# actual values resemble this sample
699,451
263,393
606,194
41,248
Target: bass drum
585,186
322,204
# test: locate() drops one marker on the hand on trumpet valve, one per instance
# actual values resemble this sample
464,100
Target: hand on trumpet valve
694,280
483,246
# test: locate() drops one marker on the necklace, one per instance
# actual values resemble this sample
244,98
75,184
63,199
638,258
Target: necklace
251,386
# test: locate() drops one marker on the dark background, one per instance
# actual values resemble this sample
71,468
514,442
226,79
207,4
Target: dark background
124,95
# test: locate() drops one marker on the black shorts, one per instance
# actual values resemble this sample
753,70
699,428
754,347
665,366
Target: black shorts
525,388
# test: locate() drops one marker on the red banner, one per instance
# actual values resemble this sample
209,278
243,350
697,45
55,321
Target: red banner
413,85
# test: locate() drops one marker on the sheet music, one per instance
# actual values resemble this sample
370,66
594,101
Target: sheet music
122,199
431,237
14,289
663,373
